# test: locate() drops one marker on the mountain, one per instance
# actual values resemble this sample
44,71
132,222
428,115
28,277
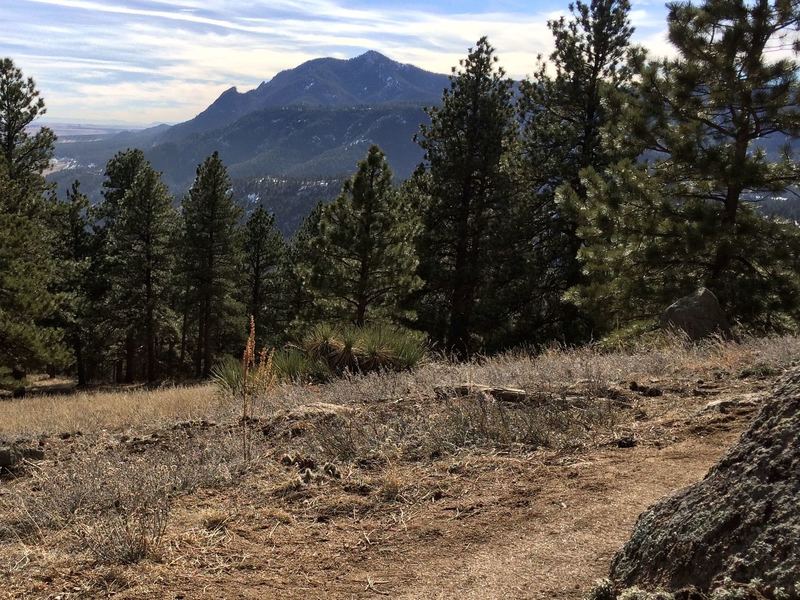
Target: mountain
307,124
370,79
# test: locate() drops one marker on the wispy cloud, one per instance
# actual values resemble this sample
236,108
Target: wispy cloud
165,60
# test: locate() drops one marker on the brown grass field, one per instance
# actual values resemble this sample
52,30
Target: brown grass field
370,486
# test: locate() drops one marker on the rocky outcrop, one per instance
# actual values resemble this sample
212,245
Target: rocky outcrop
698,315
740,523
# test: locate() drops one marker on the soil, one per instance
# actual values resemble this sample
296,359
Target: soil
480,524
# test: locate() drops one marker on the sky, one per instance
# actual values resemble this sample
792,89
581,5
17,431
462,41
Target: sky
149,61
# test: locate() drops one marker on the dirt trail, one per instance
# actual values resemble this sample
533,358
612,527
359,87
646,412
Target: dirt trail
512,528
575,525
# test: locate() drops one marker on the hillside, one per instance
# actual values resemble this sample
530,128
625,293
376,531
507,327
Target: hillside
371,486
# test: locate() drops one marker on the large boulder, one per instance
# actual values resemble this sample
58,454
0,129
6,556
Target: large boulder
741,522
698,315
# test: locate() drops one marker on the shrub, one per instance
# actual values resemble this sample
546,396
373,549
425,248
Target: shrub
128,534
294,365
365,349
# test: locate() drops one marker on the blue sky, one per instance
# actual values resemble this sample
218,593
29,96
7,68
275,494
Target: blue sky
145,61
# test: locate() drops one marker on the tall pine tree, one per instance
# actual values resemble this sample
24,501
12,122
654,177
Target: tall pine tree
212,250
469,209
27,339
74,252
366,262
565,108
264,250
140,267
704,120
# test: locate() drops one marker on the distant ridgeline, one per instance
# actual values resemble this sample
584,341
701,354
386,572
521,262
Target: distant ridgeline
289,143
292,141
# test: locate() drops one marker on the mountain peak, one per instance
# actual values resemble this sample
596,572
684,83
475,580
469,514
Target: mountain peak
372,56
369,79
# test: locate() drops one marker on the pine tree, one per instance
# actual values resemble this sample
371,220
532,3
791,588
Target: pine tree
468,212
25,154
366,261
264,250
212,248
685,220
565,108
302,251
120,172
74,251
140,266
27,340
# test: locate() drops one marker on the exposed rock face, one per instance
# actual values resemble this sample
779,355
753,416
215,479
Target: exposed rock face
741,522
699,315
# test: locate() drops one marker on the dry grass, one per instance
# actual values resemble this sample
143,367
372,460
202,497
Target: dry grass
380,446
555,372
95,411
551,374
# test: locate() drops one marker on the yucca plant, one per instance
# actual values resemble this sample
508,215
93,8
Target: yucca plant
364,349
227,376
293,364
376,349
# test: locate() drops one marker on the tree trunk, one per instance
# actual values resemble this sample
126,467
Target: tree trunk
80,365
130,358
207,346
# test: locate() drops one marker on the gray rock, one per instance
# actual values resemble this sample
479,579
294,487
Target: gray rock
8,458
502,394
740,522
698,315
12,456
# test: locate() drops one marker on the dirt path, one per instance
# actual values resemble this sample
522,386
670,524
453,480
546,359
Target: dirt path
476,524
504,527
563,540
573,527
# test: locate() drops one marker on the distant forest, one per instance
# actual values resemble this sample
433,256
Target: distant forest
571,207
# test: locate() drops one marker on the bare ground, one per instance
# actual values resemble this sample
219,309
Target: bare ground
473,523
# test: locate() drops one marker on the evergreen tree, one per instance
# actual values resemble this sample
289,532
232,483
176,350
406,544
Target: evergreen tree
25,154
302,251
140,263
564,108
27,340
74,250
120,173
263,255
468,213
684,220
366,258
212,248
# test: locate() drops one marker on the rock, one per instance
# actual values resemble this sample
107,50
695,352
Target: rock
626,441
12,456
502,394
743,404
316,410
646,390
698,316
8,458
739,523
32,453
